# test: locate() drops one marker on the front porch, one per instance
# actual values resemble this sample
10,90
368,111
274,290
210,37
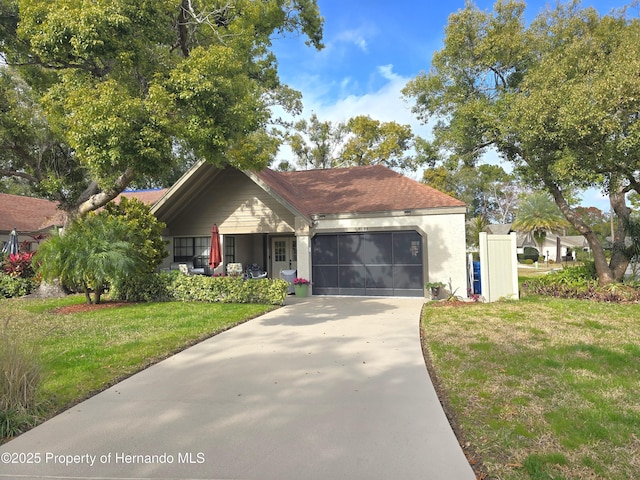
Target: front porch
273,253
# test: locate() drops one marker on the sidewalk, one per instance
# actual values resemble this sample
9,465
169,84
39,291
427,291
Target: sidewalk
324,388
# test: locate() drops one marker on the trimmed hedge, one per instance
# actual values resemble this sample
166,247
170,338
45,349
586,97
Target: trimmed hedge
199,288
152,287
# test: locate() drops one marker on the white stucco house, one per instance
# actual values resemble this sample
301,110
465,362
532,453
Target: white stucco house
351,231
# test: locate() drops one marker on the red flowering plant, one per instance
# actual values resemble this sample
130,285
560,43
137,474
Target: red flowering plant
301,281
19,265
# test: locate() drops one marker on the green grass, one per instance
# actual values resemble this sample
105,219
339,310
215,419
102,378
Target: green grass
84,353
543,389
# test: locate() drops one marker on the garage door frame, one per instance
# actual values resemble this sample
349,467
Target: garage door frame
373,262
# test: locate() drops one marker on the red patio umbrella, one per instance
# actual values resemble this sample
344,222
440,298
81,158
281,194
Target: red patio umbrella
215,253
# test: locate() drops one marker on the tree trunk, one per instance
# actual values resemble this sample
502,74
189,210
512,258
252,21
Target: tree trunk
605,273
87,295
97,294
620,256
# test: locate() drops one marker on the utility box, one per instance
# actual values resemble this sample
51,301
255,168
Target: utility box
499,267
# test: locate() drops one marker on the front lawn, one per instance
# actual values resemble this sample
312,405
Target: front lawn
542,388
84,353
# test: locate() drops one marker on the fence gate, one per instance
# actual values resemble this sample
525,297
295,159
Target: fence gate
499,267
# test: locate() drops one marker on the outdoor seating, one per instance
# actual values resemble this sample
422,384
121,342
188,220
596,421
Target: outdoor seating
255,271
234,269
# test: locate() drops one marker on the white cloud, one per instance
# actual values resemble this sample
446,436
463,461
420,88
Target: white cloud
385,104
356,37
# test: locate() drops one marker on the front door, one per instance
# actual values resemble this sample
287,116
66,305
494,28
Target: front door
283,254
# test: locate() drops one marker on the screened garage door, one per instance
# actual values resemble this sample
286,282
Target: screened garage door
372,263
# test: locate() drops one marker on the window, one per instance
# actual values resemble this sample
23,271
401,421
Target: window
186,248
229,250
280,251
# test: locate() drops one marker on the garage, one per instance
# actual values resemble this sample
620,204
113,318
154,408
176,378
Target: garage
368,264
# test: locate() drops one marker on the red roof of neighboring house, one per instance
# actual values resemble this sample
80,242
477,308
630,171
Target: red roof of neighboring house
28,214
148,197
367,189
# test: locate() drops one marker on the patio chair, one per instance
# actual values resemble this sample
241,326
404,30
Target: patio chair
234,269
255,271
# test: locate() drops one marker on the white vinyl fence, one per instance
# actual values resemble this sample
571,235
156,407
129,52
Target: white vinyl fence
499,267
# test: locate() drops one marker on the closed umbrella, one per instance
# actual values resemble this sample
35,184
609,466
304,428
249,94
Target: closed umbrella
11,247
215,253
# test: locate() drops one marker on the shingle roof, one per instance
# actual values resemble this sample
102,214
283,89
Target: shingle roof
148,197
354,190
28,214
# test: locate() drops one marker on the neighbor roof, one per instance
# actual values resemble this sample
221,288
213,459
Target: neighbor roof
351,190
28,214
499,229
148,197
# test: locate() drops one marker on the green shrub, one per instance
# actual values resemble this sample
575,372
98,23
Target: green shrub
199,288
150,287
11,286
19,385
144,230
580,282
529,253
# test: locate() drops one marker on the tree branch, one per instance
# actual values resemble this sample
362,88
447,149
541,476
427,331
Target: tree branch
98,198
14,173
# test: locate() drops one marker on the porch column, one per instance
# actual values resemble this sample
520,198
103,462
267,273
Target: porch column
303,245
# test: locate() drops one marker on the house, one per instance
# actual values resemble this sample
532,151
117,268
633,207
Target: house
35,217
350,231
30,217
567,245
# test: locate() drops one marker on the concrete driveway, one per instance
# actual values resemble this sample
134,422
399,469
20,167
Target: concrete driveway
324,388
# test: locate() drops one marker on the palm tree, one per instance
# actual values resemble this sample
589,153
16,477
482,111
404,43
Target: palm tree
91,254
538,214
475,226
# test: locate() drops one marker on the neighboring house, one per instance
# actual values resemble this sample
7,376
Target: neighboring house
34,217
352,231
566,244
30,217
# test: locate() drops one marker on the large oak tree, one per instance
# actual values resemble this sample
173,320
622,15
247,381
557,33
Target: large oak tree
560,98
99,95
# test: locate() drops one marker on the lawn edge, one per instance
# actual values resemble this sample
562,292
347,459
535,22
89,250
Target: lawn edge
470,452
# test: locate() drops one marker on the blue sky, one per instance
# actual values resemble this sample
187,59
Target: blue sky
373,48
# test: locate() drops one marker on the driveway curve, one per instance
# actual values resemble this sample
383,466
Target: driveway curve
323,388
